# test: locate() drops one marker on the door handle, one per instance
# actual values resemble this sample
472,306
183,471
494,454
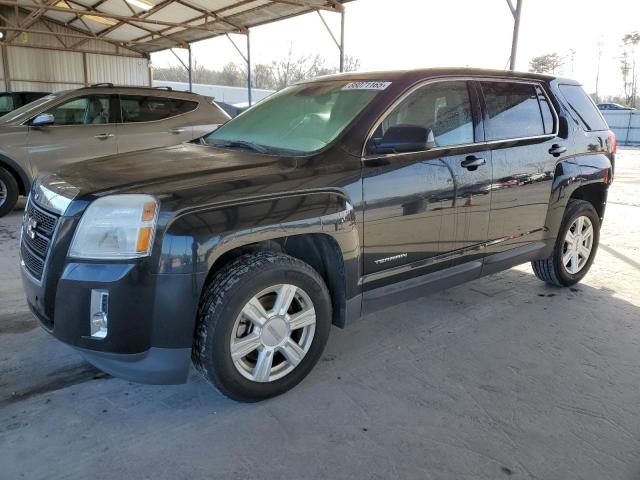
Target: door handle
103,136
472,162
176,131
556,150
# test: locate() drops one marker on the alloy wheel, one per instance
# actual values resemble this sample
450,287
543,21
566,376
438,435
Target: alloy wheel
578,244
3,192
273,333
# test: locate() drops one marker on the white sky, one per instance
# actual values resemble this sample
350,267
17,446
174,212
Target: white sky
396,34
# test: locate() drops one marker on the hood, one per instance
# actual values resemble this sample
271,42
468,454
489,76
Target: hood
167,170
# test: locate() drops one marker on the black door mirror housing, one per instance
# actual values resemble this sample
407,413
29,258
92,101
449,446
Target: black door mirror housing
403,139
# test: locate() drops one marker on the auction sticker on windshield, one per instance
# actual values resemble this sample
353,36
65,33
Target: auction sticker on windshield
366,85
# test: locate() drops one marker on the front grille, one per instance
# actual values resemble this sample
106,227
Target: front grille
39,244
38,228
46,221
34,264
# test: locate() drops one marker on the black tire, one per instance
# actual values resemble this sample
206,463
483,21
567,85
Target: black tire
9,187
221,303
551,270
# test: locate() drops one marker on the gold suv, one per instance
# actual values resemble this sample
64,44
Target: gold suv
91,122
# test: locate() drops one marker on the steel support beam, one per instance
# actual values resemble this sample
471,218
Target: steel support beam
190,71
517,13
339,43
249,68
247,60
342,40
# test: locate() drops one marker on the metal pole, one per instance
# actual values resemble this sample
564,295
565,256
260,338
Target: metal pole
516,31
342,41
190,71
249,68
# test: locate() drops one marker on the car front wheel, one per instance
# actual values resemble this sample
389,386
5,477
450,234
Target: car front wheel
263,323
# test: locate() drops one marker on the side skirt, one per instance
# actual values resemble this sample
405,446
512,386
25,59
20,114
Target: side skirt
393,294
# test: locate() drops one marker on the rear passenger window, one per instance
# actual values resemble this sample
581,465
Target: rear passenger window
145,108
183,106
443,107
513,110
583,108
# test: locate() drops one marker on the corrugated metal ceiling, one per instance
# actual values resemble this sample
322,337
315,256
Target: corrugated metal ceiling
150,25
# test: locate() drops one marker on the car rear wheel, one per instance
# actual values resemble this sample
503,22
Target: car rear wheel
263,323
575,246
8,192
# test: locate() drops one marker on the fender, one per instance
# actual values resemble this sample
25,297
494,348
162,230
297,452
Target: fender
571,174
24,180
194,241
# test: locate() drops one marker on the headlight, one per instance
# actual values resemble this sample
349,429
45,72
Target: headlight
116,227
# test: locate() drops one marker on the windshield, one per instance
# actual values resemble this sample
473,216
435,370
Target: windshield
29,107
302,118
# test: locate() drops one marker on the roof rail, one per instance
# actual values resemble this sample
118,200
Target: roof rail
163,87
103,84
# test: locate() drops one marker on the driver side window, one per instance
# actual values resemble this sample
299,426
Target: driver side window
443,108
89,110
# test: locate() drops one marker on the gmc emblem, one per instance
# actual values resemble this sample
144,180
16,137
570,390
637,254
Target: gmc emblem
30,228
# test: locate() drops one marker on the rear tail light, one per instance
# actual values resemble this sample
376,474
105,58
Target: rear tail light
613,144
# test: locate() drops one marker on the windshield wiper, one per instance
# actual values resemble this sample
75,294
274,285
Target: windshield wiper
242,144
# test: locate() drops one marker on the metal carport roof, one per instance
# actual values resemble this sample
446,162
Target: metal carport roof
146,26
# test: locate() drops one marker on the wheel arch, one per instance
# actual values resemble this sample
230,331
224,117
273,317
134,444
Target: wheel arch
595,193
24,183
318,228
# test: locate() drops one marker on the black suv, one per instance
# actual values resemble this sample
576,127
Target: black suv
329,200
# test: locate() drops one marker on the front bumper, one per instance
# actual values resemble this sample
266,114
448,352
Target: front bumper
151,317
157,366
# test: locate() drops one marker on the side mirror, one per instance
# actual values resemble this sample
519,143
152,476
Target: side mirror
403,139
43,119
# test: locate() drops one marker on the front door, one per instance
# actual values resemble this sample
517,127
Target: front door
421,208
83,128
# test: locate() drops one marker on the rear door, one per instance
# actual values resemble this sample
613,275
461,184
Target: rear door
84,127
150,121
521,127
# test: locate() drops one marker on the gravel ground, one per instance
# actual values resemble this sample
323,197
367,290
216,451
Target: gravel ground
502,377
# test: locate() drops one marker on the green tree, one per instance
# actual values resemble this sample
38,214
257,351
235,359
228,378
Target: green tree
547,63
628,67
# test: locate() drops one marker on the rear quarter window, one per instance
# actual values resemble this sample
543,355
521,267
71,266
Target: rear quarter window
183,106
583,108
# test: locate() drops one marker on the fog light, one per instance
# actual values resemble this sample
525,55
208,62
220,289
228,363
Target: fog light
99,313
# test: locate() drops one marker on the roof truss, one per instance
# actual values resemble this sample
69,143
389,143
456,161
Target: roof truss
124,23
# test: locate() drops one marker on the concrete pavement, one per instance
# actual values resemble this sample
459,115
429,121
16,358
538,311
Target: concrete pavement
503,377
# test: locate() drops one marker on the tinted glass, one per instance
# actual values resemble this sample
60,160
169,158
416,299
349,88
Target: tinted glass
31,96
90,110
545,109
303,118
31,108
513,110
444,108
583,108
183,106
6,103
139,108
